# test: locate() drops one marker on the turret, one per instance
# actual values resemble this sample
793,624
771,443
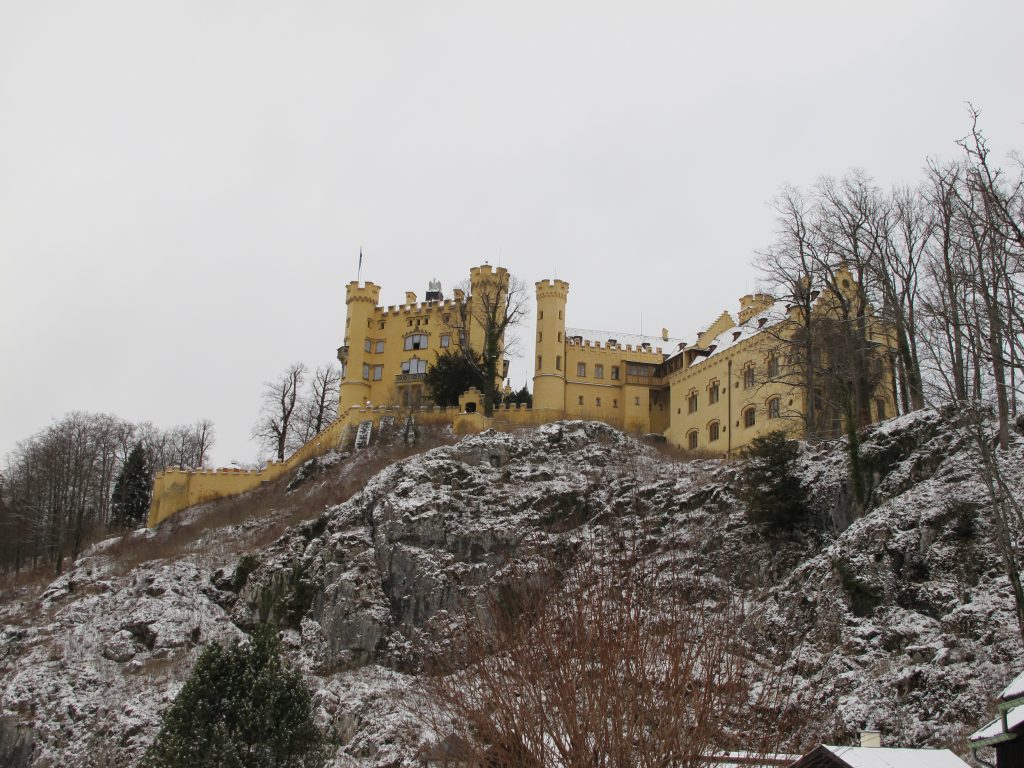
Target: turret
751,305
549,380
362,303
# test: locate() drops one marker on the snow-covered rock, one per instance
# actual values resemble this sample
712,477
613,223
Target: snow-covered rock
903,616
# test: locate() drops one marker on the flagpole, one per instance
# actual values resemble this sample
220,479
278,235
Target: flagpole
359,270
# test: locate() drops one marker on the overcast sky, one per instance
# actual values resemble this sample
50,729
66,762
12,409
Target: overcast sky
185,186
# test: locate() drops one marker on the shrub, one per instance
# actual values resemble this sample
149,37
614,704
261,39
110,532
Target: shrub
769,485
240,708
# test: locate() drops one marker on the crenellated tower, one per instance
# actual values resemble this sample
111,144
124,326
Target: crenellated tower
549,380
362,304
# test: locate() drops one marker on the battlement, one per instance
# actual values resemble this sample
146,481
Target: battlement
752,304
485,271
424,306
613,346
558,289
368,292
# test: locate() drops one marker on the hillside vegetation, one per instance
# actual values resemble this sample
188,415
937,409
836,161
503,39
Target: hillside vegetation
901,619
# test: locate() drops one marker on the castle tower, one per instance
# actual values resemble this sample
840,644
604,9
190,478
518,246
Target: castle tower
487,287
362,303
549,380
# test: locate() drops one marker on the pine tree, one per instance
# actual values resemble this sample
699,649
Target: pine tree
130,499
240,708
769,484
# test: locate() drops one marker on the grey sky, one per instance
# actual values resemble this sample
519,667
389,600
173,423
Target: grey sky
185,186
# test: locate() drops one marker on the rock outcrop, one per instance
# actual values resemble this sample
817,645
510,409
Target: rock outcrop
903,617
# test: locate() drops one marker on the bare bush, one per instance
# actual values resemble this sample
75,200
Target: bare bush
614,666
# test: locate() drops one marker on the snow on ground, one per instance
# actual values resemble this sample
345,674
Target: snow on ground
903,617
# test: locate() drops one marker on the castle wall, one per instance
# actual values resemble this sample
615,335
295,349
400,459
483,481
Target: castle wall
175,490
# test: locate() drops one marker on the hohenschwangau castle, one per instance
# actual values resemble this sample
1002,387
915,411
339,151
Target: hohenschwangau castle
738,378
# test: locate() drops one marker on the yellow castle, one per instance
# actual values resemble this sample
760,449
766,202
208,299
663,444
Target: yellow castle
387,349
739,378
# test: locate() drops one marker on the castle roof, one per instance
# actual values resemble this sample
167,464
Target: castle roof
772,316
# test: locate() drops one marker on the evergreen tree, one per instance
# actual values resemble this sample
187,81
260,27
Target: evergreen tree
240,708
769,485
130,499
450,376
523,397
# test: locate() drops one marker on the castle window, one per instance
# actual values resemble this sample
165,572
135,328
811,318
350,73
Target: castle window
539,362
378,372
558,362
446,340
713,391
415,365
367,345
749,416
366,371
379,347
580,402
880,406
773,367
539,337
446,319
380,325
540,314
712,431
774,408
416,341
598,371
615,372
691,401
636,401
691,439
559,337
597,401
559,314
615,403
581,369
748,376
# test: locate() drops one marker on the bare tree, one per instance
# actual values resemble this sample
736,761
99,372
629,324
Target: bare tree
319,406
610,666
280,398
482,325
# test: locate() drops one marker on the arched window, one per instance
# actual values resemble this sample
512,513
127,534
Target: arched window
748,376
749,416
713,391
416,341
774,408
691,439
712,431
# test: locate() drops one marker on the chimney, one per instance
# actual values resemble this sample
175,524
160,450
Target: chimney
410,297
870,738
664,334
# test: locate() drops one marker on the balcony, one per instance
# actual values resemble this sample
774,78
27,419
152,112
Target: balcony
408,378
646,381
343,354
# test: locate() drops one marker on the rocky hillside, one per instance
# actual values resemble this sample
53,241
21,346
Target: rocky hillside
903,615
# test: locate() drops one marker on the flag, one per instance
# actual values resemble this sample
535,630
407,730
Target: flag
359,271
